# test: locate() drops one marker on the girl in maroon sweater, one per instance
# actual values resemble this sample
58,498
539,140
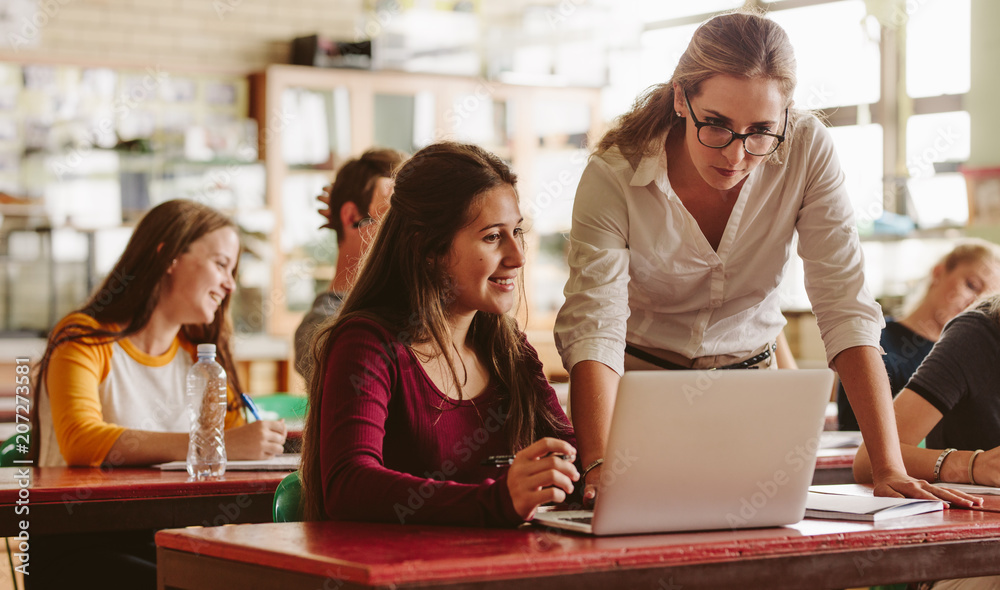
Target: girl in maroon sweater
424,377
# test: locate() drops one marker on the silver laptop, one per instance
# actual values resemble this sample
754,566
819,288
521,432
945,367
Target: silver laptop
703,450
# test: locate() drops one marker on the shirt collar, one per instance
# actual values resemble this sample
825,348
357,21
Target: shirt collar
653,167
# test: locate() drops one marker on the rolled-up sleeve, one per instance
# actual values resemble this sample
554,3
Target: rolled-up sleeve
591,323
847,313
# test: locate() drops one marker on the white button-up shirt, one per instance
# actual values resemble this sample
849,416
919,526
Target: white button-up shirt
641,269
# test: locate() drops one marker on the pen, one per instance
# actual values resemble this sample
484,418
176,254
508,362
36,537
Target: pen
251,406
501,460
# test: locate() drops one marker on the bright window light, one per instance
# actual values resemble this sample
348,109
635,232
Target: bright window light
938,52
859,148
838,62
657,10
938,137
939,200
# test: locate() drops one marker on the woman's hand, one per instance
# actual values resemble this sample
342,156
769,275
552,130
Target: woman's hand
901,485
590,487
256,441
538,476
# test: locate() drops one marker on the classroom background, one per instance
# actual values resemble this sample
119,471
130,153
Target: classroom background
109,107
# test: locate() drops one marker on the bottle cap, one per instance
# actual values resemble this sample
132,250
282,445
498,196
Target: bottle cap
206,349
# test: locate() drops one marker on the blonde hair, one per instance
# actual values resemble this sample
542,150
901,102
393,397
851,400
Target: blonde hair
742,44
971,250
991,307
968,251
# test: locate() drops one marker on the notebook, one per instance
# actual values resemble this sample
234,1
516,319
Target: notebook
286,462
702,450
834,506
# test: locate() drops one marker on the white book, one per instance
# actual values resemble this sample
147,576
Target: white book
287,462
968,488
865,508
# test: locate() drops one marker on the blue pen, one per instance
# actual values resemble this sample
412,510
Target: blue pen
251,406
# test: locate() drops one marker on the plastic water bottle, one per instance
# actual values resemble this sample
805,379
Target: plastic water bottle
206,402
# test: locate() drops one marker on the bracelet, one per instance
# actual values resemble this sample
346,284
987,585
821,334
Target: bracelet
972,462
940,462
583,476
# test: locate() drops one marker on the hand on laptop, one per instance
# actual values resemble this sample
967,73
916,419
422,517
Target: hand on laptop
540,474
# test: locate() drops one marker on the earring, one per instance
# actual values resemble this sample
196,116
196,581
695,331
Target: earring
679,114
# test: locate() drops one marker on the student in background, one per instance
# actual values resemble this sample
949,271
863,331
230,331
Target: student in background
970,270
682,224
425,378
113,380
359,194
952,401
114,370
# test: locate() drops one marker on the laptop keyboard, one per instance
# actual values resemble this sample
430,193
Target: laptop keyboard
579,519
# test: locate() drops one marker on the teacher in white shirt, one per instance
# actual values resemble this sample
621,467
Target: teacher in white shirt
682,225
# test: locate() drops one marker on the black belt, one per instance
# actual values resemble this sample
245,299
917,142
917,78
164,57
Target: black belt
665,364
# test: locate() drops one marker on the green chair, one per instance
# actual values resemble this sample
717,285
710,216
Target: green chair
9,452
290,407
288,499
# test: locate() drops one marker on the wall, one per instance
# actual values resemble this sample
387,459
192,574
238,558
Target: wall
228,35
984,96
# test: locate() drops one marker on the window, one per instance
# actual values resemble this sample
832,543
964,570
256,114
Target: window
938,52
838,63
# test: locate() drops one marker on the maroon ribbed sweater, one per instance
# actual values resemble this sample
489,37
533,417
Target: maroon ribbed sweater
390,453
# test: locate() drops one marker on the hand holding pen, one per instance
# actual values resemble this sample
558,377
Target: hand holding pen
254,410
504,460
540,473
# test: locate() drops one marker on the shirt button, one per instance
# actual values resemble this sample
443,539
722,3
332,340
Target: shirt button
715,302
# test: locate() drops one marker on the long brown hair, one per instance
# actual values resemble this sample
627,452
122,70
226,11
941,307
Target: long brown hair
403,286
125,301
742,44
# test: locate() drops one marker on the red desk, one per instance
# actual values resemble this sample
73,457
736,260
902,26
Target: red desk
69,499
811,554
834,466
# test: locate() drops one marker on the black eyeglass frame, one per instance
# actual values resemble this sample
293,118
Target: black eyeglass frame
732,134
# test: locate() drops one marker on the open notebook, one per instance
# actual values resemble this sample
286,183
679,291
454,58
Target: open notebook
287,462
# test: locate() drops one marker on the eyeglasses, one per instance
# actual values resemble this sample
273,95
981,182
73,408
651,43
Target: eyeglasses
755,144
364,221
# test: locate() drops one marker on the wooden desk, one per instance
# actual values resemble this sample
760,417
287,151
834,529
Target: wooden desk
810,554
72,499
834,466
